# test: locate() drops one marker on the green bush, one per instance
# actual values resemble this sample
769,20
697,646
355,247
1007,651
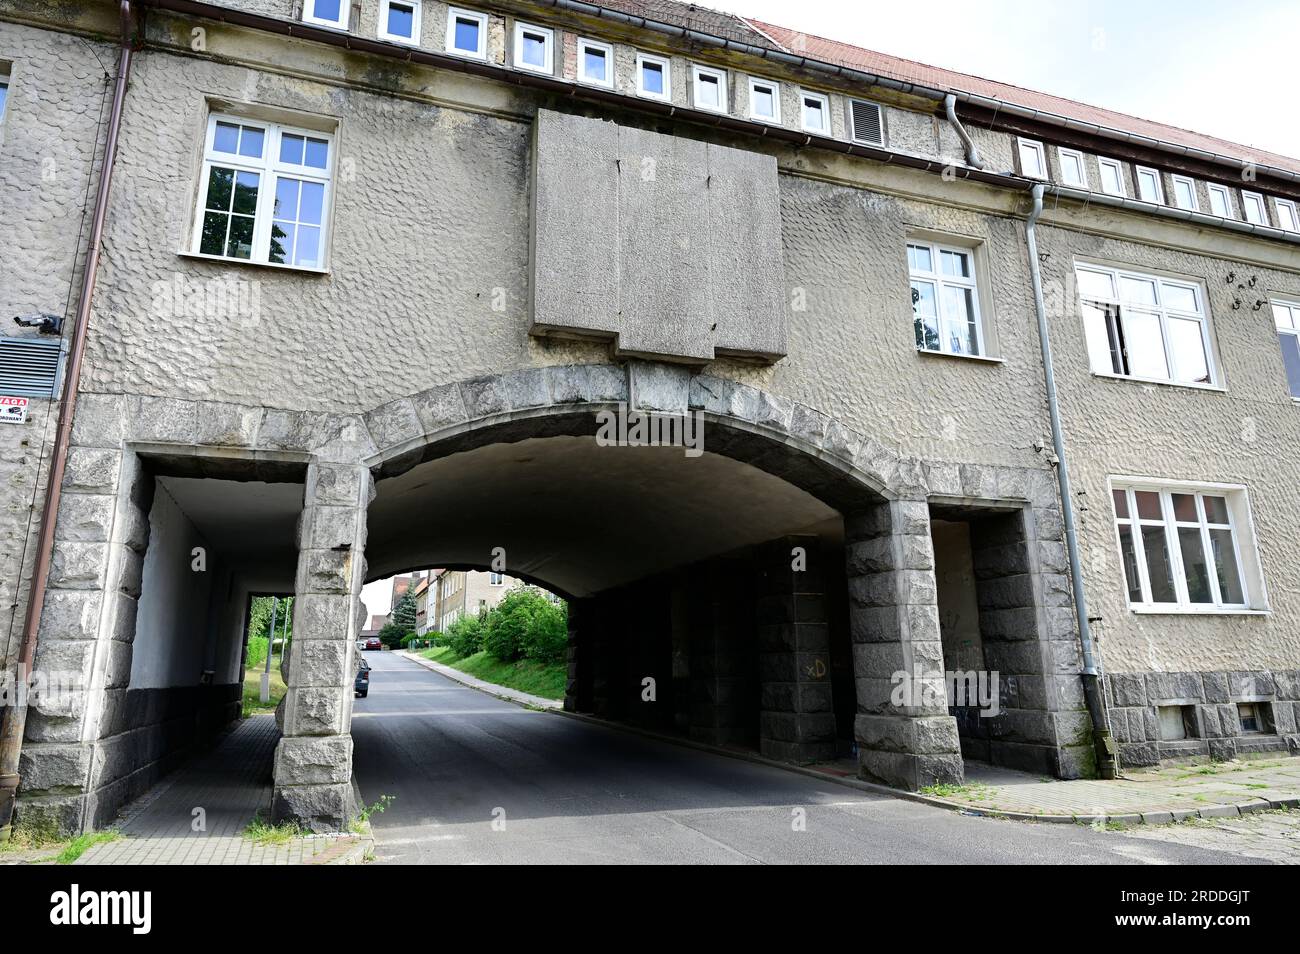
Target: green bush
507,625
547,637
465,636
256,652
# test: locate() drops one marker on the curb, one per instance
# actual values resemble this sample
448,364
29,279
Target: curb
1152,817
488,688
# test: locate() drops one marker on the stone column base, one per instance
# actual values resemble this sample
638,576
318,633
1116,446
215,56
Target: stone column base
909,752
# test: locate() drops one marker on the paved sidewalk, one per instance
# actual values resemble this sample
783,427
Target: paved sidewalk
491,688
1144,796
230,784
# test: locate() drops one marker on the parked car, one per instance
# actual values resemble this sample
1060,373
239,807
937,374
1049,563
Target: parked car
374,643
362,684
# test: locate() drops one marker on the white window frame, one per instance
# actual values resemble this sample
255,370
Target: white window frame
1291,327
547,68
496,579
665,64
5,81
584,45
269,169
698,70
1289,208
775,118
825,102
1240,524
1035,147
1191,185
460,13
309,15
416,21
1247,199
1118,166
1160,185
939,279
1116,300
1225,194
1061,154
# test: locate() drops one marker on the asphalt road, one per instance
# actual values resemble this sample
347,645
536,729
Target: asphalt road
478,780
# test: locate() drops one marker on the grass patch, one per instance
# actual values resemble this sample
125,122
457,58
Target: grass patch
253,705
262,832
975,791
83,843
540,679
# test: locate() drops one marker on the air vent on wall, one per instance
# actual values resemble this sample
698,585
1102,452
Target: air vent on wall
866,122
30,367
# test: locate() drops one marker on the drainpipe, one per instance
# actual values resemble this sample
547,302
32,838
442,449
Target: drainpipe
1092,689
15,716
972,154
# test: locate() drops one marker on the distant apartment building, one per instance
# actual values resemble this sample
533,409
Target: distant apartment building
458,593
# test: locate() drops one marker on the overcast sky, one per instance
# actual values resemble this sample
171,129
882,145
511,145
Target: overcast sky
1226,69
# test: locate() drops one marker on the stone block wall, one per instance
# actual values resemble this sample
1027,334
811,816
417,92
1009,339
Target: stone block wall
1132,700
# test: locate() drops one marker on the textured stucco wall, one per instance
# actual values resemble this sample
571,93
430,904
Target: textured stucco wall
47,156
1246,434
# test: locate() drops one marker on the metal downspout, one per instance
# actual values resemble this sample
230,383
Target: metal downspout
1092,689
972,154
15,715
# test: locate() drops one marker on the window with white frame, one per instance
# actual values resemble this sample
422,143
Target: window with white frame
1149,188
1220,201
595,63
467,33
764,100
4,92
534,48
399,21
1252,203
653,77
1073,171
1181,545
1255,718
1033,161
815,112
1145,326
1287,219
330,13
496,579
1286,315
709,88
1112,177
945,299
265,193
1185,193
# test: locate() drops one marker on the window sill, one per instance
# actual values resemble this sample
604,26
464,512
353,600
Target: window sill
983,358
221,260
1168,384
1193,611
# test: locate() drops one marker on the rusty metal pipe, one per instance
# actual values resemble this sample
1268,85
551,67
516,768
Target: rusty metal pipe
15,716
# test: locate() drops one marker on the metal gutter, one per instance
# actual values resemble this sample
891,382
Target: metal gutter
972,153
1092,689
15,715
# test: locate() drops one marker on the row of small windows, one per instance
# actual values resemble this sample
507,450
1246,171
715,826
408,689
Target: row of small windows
1074,173
533,50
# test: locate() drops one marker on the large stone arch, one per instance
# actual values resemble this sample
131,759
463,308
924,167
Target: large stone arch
886,499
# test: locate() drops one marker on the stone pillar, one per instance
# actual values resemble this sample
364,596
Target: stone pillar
313,761
578,689
73,772
797,721
906,737
719,630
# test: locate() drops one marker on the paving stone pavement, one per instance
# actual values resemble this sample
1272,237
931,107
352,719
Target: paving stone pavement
231,783
1273,835
1154,796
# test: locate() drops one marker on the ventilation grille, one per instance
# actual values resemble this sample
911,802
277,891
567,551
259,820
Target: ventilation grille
30,367
866,122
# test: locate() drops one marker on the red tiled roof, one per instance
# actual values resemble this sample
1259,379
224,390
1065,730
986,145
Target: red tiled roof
844,54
